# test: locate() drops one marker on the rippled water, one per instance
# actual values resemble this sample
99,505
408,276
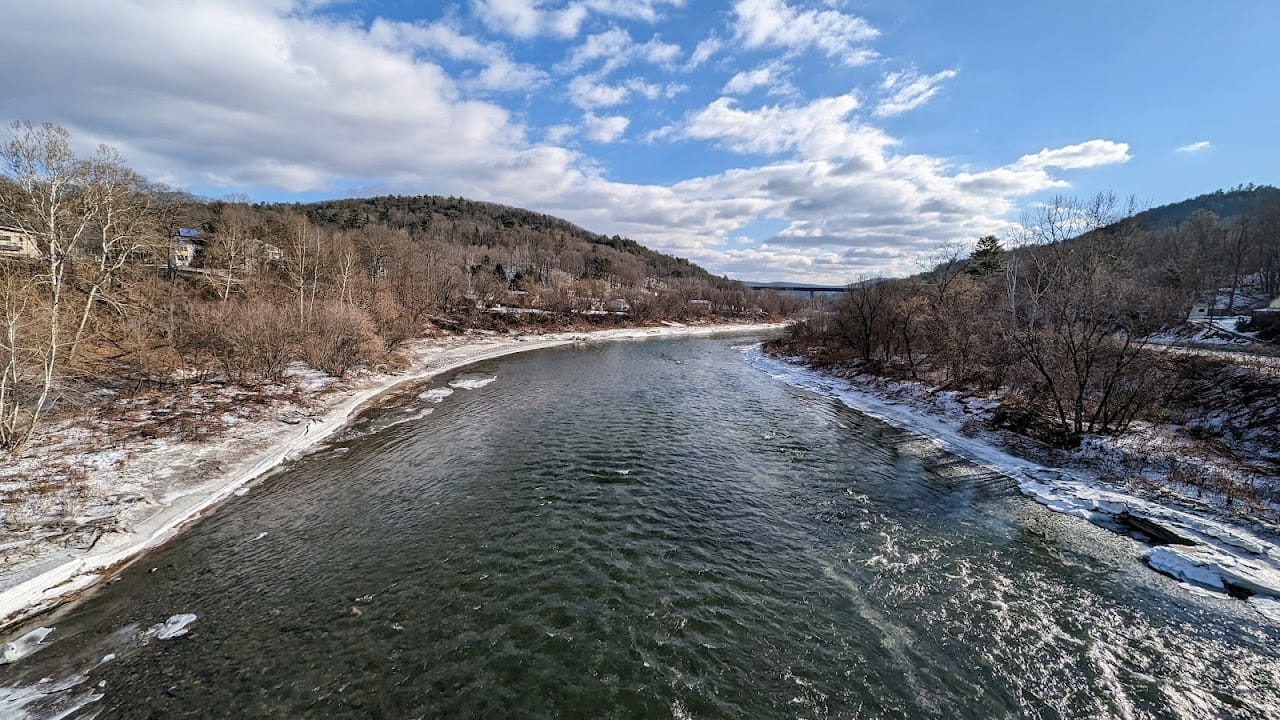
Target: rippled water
647,530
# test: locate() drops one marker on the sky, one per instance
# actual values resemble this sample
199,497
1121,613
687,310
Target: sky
817,141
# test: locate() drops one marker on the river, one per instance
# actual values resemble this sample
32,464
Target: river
652,529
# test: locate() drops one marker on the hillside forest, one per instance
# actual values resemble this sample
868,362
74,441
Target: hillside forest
110,281
1078,326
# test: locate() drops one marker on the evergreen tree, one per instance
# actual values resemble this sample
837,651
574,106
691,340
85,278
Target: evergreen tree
987,258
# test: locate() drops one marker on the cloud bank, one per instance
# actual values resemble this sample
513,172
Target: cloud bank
293,96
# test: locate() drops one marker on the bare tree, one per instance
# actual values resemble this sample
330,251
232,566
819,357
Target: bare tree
17,300
1267,238
232,242
860,311
91,214
302,257
1077,317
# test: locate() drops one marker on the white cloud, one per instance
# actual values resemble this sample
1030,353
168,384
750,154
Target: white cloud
558,134
594,91
775,24
609,44
261,96
518,18
604,129
532,18
616,49
255,95
589,91
820,129
908,90
500,71
1081,155
703,51
770,75
646,10
567,22
1195,147
528,19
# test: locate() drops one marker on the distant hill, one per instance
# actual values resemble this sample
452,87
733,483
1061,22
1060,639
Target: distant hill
1226,204
483,223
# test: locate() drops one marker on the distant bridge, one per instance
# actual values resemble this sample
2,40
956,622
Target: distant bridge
813,290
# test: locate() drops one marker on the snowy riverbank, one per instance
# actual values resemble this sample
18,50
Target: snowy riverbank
130,496
1206,554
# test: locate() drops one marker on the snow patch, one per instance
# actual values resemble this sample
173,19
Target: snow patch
1213,568
1269,607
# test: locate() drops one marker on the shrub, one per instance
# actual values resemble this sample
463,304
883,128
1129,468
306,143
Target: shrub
341,337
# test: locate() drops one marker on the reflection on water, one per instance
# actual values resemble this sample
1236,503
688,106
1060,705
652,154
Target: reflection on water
644,530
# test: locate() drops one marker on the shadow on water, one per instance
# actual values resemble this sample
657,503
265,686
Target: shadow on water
643,530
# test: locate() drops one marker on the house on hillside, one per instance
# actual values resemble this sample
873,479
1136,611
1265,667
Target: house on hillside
17,243
265,252
183,248
1225,302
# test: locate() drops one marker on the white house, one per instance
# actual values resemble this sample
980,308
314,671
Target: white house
266,252
182,252
17,243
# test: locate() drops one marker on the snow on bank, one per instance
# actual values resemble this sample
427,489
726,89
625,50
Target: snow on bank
1197,550
177,482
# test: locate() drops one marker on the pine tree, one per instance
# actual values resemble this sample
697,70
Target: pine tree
987,258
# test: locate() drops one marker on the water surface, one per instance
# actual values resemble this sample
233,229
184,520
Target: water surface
645,530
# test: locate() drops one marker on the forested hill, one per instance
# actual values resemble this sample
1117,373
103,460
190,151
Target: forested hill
472,222
124,282
1226,204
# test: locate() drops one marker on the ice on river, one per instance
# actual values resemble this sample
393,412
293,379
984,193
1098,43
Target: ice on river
436,395
24,646
175,626
46,699
471,381
1188,547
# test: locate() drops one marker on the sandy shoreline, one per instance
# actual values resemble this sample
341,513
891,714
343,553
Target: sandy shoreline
50,575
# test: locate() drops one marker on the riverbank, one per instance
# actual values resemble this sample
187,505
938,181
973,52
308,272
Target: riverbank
94,493
1205,552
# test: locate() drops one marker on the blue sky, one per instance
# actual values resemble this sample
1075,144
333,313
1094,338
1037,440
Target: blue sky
813,140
